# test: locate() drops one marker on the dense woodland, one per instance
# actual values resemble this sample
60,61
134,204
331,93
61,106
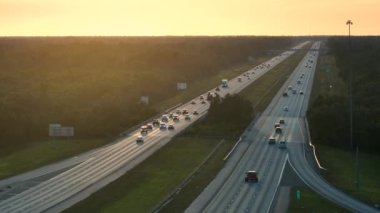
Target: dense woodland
94,83
329,115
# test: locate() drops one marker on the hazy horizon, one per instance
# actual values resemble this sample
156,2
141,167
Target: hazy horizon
185,18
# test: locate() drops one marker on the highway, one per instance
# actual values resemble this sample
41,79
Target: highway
228,192
98,166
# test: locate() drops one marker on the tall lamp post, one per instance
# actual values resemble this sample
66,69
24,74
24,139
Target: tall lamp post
349,23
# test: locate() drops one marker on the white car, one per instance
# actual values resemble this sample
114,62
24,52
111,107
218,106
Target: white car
140,139
187,117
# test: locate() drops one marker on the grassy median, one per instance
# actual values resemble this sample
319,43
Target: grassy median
309,201
146,186
339,163
13,161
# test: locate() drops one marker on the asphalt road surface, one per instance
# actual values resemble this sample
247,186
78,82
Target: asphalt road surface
228,192
91,171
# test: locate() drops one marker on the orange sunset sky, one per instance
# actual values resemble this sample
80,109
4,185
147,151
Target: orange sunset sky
187,17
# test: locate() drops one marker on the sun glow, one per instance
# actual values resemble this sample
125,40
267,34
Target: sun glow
180,17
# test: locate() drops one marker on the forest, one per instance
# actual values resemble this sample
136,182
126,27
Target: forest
94,83
329,116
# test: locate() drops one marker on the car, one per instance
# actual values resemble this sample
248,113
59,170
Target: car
193,102
175,118
301,92
285,94
184,112
276,125
140,139
294,91
149,127
187,117
278,130
156,122
282,144
282,121
195,112
178,112
286,108
290,87
143,127
272,140
251,176
309,66
217,89
164,118
201,97
162,126
171,127
298,82
203,102
144,131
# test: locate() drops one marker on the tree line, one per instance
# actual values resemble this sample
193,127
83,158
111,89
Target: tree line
329,115
94,83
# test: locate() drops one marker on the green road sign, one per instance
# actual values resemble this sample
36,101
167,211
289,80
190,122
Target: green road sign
298,194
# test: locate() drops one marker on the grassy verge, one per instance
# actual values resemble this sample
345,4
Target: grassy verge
205,84
13,161
42,153
260,97
341,172
144,187
339,163
311,202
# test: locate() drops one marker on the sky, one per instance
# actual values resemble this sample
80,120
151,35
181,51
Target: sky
187,17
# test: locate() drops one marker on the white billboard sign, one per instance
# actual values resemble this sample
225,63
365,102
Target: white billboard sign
181,85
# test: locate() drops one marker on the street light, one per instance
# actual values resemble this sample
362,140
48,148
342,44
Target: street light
357,183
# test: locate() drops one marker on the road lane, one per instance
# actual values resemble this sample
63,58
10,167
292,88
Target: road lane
112,158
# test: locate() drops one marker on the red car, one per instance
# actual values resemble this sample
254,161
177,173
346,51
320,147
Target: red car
251,176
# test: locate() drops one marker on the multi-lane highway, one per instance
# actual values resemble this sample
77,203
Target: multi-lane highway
98,166
228,192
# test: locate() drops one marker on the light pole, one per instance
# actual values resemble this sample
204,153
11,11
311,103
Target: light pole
357,183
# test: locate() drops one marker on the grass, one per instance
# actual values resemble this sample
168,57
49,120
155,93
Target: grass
205,84
341,172
339,163
13,161
144,187
42,153
141,189
311,202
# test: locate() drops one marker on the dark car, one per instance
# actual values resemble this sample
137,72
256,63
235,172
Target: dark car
156,122
171,127
195,112
251,176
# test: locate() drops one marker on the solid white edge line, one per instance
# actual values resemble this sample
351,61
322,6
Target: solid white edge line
278,183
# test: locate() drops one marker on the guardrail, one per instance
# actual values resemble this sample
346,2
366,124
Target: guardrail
311,144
